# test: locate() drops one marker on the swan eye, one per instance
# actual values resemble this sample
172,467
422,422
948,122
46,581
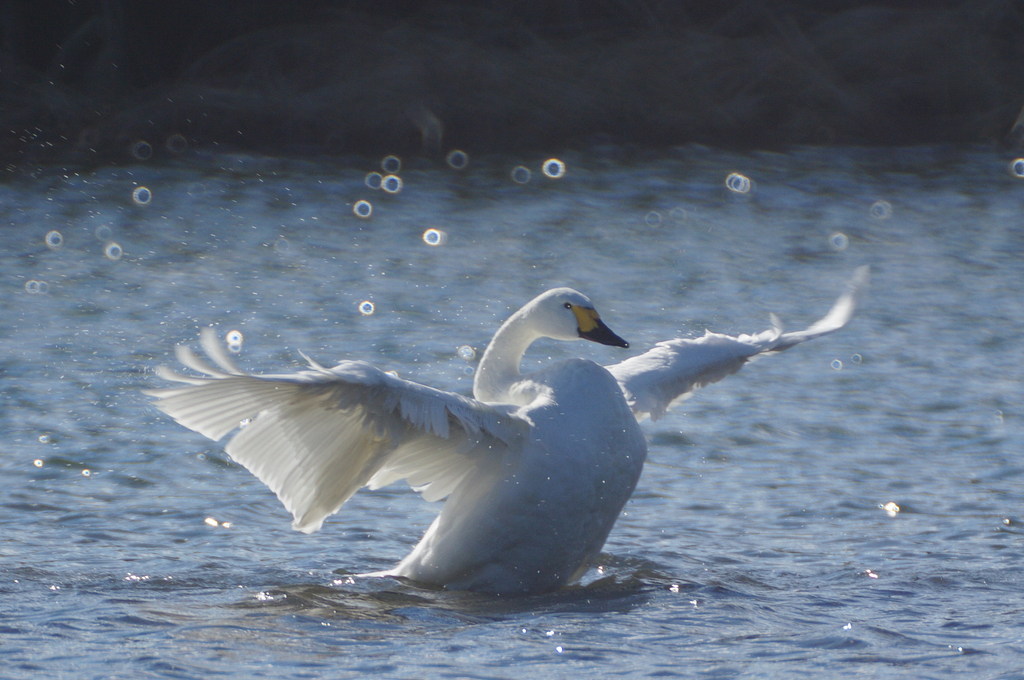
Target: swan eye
567,305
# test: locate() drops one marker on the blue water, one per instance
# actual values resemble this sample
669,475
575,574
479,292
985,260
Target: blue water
757,543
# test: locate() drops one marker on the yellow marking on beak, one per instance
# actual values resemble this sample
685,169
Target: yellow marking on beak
586,319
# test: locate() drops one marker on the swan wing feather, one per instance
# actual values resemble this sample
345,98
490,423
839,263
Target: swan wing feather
673,370
316,436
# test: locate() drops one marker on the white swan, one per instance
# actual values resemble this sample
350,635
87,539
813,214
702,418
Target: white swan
536,468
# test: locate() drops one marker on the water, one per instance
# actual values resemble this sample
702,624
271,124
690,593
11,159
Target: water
758,543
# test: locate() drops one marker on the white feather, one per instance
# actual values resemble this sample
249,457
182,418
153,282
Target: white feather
317,436
672,370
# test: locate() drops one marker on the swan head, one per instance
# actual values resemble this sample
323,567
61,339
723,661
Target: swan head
567,314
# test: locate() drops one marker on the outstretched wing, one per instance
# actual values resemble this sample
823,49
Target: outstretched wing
674,369
315,437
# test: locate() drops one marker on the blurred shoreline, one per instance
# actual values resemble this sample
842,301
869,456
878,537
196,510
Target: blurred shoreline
84,84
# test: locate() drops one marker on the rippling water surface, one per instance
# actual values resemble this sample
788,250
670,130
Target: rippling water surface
851,508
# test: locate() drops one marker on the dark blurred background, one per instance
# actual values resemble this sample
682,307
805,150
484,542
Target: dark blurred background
81,81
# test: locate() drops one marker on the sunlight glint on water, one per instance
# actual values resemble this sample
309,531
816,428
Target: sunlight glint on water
843,509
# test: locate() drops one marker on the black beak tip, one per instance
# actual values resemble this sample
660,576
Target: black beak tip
604,336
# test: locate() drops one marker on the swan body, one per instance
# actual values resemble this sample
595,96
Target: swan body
535,468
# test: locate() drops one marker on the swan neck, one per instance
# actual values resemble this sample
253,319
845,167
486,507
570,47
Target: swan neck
499,367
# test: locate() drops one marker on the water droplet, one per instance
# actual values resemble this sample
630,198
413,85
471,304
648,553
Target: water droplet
36,287
1017,167
210,522
103,233
142,195
553,168
391,184
362,209
891,509
38,462
113,251
282,245
176,144
366,308
679,214
141,150
838,241
86,472
457,159
234,337
466,353
435,237
44,439
391,164
738,183
373,180
881,210
265,596
54,239
856,359
836,365
653,219
521,174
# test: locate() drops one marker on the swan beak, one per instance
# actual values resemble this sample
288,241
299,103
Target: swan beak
590,327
